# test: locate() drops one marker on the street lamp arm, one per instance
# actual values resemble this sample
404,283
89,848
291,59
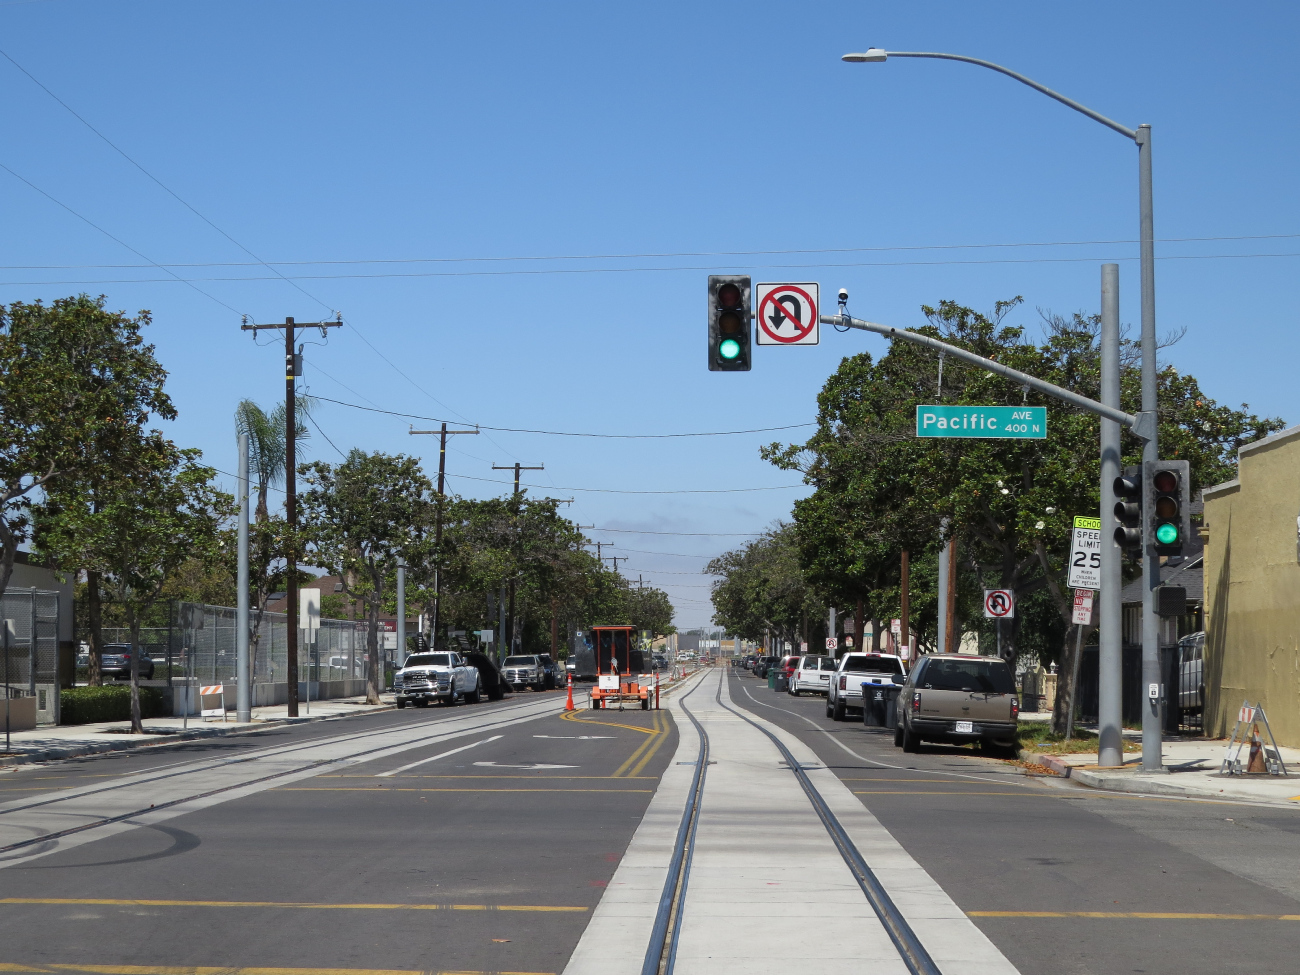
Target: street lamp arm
1142,424
1083,109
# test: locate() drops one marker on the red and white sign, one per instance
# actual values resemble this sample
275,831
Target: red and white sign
999,604
896,626
787,314
832,643
214,706
1083,606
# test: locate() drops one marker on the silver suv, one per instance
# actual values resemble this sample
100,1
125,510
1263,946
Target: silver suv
958,698
525,669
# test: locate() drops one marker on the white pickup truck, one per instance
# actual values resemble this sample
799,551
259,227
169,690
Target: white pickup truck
854,670
435,677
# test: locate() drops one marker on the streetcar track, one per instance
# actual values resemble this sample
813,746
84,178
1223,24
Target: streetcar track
157,807
661,952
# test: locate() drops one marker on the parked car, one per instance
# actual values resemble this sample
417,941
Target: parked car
525,670
442,676
958,698
554,676
1191,672
116,662
763,665
813,674
855,669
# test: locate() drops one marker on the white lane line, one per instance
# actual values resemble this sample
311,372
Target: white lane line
531,767
434,758
579,737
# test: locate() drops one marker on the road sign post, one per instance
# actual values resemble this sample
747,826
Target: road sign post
788,314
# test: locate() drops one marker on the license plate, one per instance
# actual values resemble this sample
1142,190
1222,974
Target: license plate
965,727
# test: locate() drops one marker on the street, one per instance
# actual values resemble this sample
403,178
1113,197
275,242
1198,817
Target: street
483,839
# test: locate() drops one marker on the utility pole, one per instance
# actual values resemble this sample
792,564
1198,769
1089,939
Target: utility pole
517,468
906,608
616,559
443,433
292,369
243,668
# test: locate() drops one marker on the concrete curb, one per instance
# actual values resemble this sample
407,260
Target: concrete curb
171,742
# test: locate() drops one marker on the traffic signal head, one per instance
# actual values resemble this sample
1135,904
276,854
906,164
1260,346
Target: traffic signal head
1128,509
729,317
1167,494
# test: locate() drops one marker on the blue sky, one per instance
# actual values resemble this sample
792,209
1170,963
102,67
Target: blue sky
440,145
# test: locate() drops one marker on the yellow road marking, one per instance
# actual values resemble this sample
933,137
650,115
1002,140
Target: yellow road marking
645,759
187,970
535,777
656,736
573,716
297,905
378,791
1139,915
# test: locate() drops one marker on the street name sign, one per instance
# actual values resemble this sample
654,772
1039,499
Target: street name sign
1085,554
985,422
788,313
999,604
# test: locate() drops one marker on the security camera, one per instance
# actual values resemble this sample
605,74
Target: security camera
844,295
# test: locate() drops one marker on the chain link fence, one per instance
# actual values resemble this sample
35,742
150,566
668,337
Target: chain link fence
30,667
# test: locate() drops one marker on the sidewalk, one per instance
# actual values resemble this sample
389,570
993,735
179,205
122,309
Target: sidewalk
73,741
1192,771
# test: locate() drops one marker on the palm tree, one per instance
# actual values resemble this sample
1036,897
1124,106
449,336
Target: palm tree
266,461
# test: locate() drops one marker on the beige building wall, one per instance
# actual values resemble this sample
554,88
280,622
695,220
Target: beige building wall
1252,589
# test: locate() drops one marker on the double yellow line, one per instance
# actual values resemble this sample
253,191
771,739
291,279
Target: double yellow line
656,734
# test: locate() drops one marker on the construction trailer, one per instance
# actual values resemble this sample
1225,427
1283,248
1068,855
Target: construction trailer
619,665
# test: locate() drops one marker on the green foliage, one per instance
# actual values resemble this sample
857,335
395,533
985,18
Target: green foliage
112,702
764,588
79,384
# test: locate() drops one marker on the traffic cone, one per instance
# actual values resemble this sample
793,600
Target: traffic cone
568,705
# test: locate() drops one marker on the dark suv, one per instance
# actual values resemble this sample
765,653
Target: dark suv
116,663
958,698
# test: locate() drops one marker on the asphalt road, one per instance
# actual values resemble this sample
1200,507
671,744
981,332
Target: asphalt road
489,858
1029,857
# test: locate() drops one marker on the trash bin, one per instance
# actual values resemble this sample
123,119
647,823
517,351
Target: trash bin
771,678
781,682
878,705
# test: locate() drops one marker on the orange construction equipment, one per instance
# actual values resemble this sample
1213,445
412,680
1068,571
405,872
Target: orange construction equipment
568,704
617,661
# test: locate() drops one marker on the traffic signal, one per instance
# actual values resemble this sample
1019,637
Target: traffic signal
729,317
1128,509
1167,495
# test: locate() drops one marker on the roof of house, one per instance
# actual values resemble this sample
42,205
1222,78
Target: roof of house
1186,571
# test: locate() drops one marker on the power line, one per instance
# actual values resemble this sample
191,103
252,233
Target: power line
562,433
633,531
561,487
325,435
632,256
629,270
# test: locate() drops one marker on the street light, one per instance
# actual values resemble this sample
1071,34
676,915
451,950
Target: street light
1141,136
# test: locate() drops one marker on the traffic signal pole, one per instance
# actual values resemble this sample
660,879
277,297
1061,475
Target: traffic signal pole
1110,750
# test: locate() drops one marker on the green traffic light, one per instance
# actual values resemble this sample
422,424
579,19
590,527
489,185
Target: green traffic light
728,348
1166,534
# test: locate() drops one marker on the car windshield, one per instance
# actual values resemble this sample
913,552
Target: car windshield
429,660
520,661
986,676
870,663
825,663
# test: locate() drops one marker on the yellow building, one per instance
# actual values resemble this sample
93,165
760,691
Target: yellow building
1252,589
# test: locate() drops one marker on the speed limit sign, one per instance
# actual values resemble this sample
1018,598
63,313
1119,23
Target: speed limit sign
1085,554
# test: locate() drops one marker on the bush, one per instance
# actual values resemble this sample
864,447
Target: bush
82,705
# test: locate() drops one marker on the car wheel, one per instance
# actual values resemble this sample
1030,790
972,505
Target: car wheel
473,697
840,711
496,694
1005,748
911,742
400,704
829,712
898,737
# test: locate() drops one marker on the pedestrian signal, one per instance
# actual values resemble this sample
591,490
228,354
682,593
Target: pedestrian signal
729,317
1167,494
1128,509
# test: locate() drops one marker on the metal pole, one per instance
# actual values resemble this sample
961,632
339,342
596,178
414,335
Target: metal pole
905,608
243,669
501,625
943,590
7,626
830,627
1151,730
1110,751
400,660
291,518
951,635
1074,682
437,543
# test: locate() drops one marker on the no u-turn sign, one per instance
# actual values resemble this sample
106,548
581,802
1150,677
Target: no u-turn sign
787,314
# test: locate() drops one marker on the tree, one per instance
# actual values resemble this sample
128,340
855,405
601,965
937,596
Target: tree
136,531
361,517
764,589
267,569
1010,502
80,383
